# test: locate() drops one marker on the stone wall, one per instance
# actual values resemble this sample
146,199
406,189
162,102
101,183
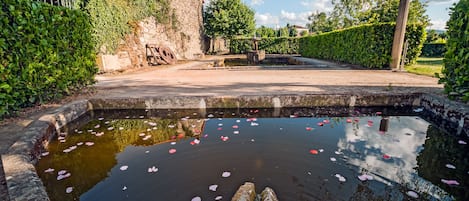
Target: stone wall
185,39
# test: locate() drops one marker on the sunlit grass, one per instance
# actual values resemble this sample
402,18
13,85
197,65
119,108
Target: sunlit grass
426,66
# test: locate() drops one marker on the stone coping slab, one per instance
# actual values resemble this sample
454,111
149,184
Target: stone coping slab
24,184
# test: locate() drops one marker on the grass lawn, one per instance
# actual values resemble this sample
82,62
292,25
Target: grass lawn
426,66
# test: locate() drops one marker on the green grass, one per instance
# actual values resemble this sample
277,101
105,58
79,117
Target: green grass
426,66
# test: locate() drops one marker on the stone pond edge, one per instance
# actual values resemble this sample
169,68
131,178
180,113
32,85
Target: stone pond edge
24,183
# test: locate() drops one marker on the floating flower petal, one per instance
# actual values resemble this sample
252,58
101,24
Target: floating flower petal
124,167
172,151
412,194
213,187
226,174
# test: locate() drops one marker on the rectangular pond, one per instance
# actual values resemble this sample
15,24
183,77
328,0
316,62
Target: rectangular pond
302,153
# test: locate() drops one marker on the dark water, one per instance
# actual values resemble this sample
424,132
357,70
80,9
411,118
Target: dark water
402,152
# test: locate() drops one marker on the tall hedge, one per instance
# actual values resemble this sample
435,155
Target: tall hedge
434,49
366,45
270,45
45,52
456,62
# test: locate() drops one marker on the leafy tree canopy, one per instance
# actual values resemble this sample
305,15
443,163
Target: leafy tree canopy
228,18
347,13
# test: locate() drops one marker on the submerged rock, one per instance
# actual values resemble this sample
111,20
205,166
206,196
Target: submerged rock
268,194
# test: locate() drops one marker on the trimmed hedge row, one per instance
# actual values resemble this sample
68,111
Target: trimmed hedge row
270,45
366,45
45,51
434,49
456,69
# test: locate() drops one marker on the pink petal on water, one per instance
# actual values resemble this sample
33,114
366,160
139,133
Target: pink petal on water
313,151
62,172
309,128
379,113
69,189
349,120
206,135
387,157
49,170
450,182
320,124
89,143
412,194
219,128
326,121
462,142
235,126
213,187
362,178
226,174
369,177
172,151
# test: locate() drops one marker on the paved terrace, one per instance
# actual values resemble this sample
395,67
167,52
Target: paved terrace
199,78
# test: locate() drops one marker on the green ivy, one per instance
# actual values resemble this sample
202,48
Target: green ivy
113,19
45,52
456,62
366,45
270,45
434,49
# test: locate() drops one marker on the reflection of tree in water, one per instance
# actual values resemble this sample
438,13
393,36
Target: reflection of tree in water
364,192
89,165
441,149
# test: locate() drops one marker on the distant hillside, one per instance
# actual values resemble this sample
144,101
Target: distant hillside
437,31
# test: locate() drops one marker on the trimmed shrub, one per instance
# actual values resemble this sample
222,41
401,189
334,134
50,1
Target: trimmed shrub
45,51
270,45
366,45
456,62
434,49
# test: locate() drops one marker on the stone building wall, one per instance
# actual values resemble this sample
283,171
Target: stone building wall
185,39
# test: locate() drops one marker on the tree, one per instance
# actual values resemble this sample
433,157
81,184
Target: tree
304,33
265,32
228,18
283,32
348,13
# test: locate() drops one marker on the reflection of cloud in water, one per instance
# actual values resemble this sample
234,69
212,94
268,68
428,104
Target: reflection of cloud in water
365,148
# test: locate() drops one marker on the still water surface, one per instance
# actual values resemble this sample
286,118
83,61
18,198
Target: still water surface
300,154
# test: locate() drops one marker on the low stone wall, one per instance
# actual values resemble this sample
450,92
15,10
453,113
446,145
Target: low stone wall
24,183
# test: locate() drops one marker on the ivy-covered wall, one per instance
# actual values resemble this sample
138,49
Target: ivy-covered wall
45,52
366,45
270,45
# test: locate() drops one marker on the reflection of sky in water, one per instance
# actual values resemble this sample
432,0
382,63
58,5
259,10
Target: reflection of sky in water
365,147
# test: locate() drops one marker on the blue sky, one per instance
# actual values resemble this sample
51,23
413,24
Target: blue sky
275,13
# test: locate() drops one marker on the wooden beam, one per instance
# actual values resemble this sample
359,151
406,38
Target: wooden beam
399,34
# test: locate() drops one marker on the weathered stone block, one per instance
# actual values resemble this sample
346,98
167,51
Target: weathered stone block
246,192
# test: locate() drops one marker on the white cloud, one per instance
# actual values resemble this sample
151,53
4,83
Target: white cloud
294,18
438,24
318,5
440,2
257,2
266,19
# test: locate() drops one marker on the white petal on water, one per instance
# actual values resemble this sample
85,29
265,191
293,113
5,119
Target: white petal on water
141,134
450,166
333,159
110,128
124,188
173,143
237,121
218,197
369,177
89,143
236,132
337,152
412,194
462,142
342,179
213,187
121,128
362,178
45,153
196,199
80,143
69,189
62,172
226,174
210,116
124,167
321,150
100,118
147,152
220,124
